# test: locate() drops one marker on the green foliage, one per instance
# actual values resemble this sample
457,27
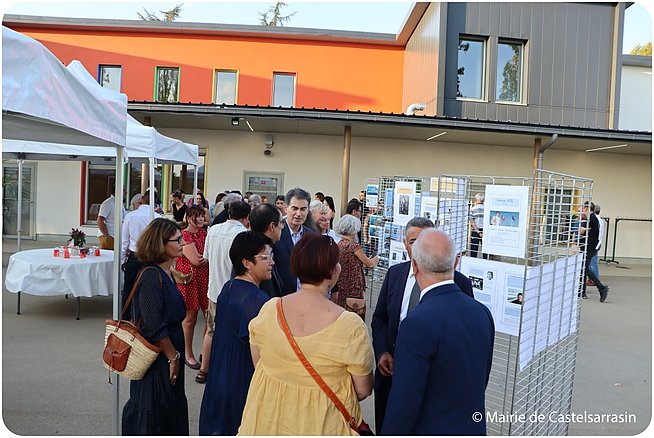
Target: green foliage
511,78
642,50
277,19
168,16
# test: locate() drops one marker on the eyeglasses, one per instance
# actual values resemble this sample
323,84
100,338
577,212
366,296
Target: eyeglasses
179,240
266,258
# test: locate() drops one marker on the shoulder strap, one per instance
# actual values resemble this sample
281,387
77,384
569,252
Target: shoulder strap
136,283
291,340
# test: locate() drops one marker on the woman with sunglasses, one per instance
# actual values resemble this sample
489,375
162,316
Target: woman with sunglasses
157,403
230,368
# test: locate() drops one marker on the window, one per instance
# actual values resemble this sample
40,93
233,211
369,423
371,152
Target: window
509,71
167,84
470,68
225,91
100,179
283,90
264,183
110,76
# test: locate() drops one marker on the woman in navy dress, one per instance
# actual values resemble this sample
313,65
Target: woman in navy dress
231,368
157,403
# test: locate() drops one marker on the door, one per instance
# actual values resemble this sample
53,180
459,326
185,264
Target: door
10,200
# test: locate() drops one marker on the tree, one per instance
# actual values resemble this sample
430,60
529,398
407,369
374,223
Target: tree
644,50
511,78
277,18
169,16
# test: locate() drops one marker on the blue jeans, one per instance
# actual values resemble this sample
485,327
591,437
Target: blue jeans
593,266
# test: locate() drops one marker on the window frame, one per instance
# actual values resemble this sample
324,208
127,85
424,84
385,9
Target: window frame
523,68
293,97
484,67
247,174
216,84
102,67
159,68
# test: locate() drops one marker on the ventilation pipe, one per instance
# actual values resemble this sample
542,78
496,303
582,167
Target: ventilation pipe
414,107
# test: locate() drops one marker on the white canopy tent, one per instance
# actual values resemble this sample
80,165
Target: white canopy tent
144,143
43,102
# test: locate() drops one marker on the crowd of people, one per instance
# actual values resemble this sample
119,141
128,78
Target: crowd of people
281,287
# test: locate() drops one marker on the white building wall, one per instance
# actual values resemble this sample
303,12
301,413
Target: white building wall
622,182
636,99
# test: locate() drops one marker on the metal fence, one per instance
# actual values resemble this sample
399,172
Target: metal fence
531,382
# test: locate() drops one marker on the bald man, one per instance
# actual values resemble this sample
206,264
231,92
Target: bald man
444,351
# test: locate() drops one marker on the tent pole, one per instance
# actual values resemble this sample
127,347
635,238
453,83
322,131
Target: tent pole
118,195
151,187
19,202
195,183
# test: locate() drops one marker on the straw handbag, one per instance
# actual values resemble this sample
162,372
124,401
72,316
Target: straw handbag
126,351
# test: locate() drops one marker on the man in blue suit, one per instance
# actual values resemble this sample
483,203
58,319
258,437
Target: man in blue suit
297,201
392,307
444,351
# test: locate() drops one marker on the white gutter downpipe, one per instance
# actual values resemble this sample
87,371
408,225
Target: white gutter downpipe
411,109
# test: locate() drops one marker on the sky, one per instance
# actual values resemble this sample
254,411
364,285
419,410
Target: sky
372,16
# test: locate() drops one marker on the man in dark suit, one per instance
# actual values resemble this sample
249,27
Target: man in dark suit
392,307
297,201
444,351
267,220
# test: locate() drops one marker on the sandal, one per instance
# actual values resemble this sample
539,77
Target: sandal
193,366
201,377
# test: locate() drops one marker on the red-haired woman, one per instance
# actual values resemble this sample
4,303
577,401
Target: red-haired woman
283,398
192,262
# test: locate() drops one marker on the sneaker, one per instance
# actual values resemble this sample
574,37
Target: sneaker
604,293
584,296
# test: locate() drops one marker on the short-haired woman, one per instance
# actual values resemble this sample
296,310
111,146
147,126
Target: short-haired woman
283,398
195,292
230,368
352,282
157,403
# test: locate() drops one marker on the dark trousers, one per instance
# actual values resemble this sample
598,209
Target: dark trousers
475,243
132,268
382,391
589,273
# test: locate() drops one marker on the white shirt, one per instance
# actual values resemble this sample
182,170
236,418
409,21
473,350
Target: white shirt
601,231
410,281
433,286
107,210
216,252
133,225
333,235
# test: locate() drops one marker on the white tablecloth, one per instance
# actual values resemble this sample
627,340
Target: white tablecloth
37,272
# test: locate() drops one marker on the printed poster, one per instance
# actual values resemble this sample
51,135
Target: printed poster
388,204
404,202
429,208
372,194
398,253
506,220
498,286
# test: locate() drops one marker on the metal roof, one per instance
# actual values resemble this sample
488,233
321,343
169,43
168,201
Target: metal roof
316,121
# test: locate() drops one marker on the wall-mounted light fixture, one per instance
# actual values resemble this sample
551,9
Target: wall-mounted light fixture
235,121
249,126
607,147
436,136
269,142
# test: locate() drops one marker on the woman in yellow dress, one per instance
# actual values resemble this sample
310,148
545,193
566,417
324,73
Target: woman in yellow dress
283,398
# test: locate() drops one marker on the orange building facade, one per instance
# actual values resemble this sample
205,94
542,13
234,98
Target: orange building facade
328,74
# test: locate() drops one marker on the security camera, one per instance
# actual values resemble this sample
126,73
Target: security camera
267,152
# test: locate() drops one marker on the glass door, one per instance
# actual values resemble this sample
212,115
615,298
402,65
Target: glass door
10,200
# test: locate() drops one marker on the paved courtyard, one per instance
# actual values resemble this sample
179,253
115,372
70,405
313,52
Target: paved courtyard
53,382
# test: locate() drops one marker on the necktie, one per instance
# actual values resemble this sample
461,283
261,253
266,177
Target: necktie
414,297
